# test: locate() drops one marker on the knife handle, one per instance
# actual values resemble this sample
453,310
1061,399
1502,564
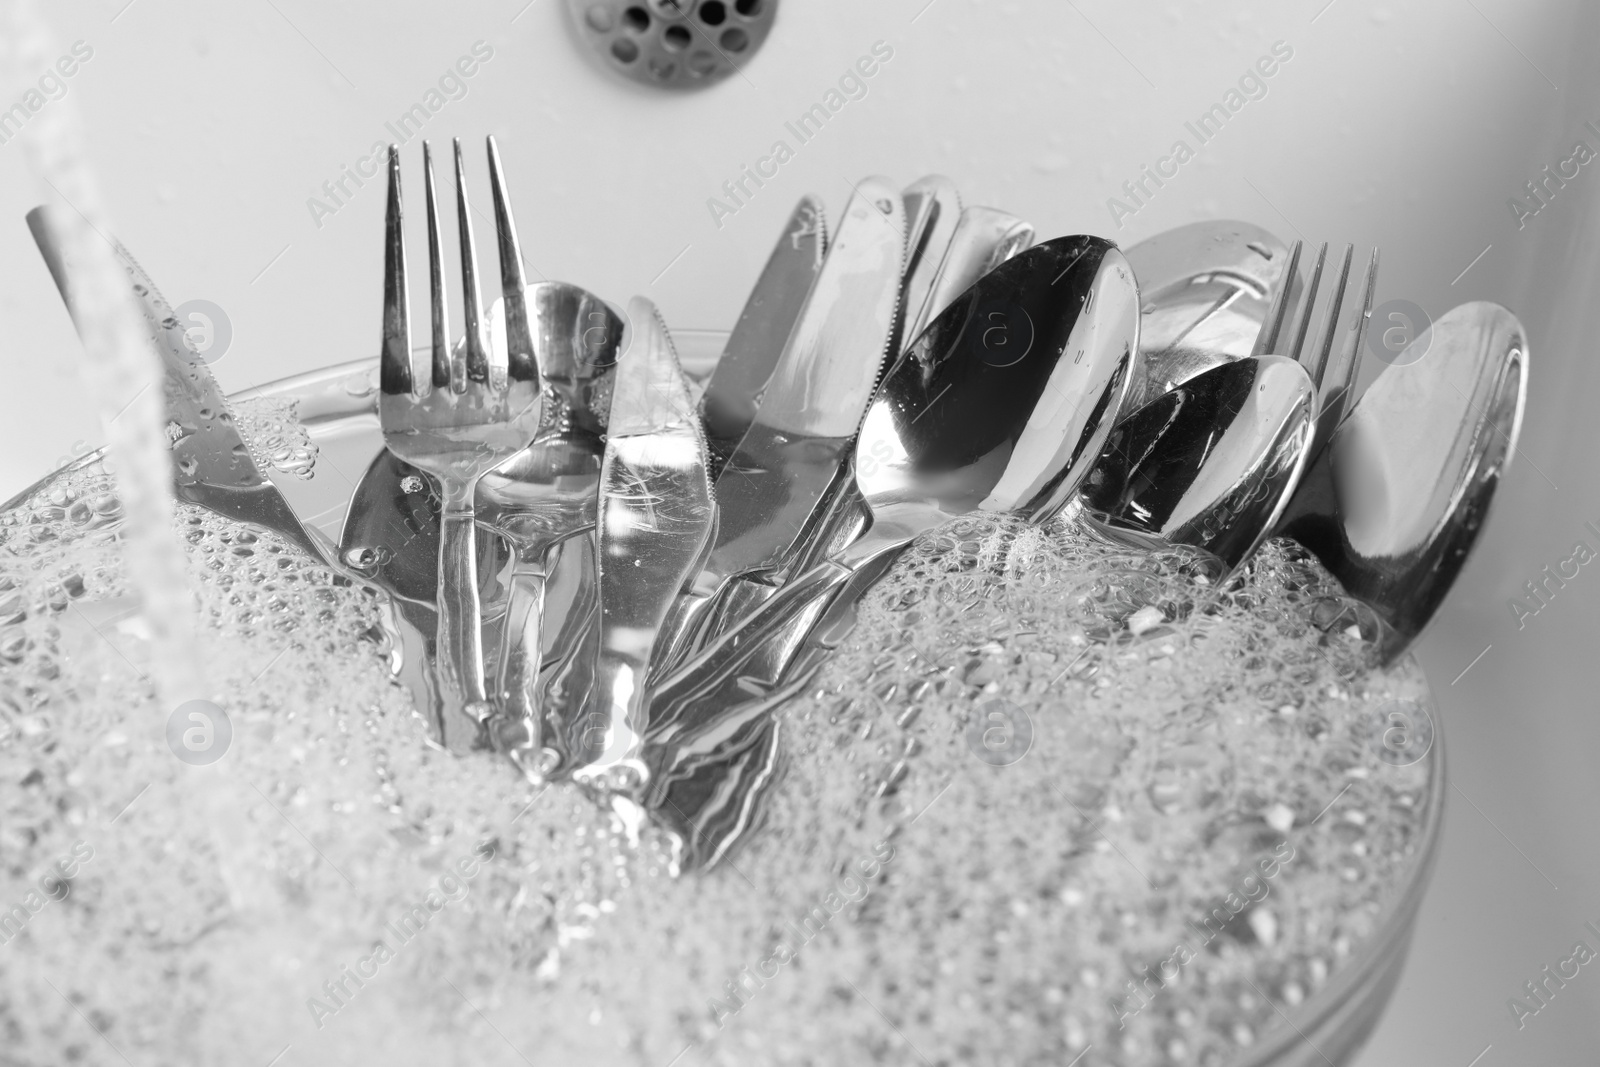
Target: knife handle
460,638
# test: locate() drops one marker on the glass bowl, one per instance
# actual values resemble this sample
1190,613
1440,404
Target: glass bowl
330,415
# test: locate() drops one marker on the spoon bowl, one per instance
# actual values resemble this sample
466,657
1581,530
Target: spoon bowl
1394,504
1005,402
1212,463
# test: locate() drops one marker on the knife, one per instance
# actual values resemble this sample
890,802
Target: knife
734,391
808,416
975,241
983,239
211,464
655,516
933,209
935,223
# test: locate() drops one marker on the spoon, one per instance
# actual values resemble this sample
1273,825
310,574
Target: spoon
950,259
1001,406
1209,288
932,211
1394,504
546,493
1210,463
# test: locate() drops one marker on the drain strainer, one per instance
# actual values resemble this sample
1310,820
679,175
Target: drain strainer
674,44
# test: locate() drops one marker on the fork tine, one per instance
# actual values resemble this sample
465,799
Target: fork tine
1338,387
1317,358
394,375
1272,327
440,317
1308,304
477,365
521,362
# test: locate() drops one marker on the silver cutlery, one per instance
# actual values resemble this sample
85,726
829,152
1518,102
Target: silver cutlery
211,464
547,492
933,210
390,539
957,247
1393,505
1209,463
656,514
792,453
983,239
474,410
958,425
1334,358
733,393
1208,290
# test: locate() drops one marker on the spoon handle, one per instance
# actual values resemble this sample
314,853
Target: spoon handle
521,654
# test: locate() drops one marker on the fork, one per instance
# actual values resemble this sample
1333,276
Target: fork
1333,373
477,407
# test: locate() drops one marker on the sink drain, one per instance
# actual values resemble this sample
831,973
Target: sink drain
674,44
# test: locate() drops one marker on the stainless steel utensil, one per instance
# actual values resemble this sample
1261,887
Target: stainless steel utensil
1394,504
761,335
478,409
1213,462
947,245
983,239
1210,463
656,513
933,210
211,464
546,493
793,451
962,423
1334,359
390,539
1208,290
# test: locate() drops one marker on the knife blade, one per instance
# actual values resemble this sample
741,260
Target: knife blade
814,400
933,209
211,464
983,239
656,513
734,392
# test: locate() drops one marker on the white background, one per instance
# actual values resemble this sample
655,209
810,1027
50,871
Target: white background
1408,125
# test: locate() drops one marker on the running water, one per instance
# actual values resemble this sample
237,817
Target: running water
122,364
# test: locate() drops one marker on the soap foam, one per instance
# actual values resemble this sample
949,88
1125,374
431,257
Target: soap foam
1019,898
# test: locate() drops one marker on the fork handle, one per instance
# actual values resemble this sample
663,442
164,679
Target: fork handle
460,644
